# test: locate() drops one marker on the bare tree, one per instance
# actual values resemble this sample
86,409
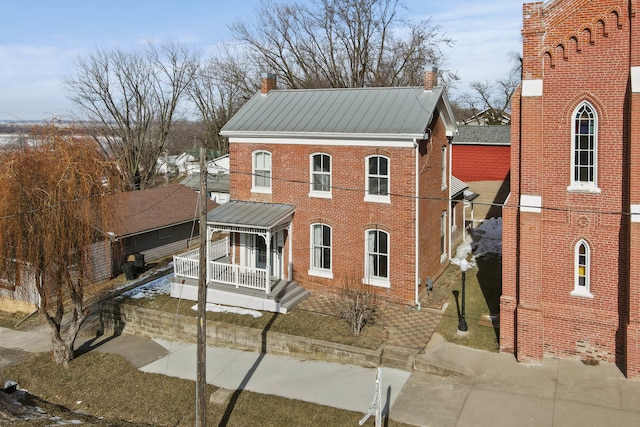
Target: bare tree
342,43
130,100
493,97
221,87
52,198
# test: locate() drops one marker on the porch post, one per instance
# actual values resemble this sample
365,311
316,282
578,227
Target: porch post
269,254
208,252
290,260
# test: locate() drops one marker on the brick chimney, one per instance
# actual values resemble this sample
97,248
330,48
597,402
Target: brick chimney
268,83
431,78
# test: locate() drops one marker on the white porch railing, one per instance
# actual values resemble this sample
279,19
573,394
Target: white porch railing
219,248
187,265
238,275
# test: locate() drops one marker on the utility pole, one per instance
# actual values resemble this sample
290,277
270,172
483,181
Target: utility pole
201,374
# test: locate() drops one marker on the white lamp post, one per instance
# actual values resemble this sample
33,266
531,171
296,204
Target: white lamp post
462,323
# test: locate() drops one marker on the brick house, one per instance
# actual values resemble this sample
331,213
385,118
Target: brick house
335,185
571,226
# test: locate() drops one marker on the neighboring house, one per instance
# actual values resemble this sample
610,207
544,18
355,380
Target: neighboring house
571,226
481,156
155,223
481,153
217,185
167,165
191,162
335,187
219,165
187,161
488,117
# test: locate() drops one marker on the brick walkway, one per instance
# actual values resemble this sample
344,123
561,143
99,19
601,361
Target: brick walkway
406,326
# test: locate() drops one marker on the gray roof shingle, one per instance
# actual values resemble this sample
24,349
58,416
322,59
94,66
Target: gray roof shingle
483,135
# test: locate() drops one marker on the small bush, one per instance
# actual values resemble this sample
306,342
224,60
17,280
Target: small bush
356,305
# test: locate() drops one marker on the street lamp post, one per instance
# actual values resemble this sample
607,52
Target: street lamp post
462,323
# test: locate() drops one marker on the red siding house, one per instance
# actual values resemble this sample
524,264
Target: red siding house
338,186
481,153
571,227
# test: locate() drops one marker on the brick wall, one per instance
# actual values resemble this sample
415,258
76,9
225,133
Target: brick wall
118,318
580,51
347,212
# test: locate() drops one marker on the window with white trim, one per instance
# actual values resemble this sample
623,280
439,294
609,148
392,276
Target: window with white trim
582,270
320,251
261,172
376,258
444,167
320,175
377,179
584,150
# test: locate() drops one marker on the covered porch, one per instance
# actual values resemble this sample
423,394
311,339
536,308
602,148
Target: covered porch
247,268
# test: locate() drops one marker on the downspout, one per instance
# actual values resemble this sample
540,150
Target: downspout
417,229
450,151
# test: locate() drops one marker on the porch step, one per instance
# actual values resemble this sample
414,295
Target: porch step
398,357
288,294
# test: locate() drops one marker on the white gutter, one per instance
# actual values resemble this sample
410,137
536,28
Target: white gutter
417,217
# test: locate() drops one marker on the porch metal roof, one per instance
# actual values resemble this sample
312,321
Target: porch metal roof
239,214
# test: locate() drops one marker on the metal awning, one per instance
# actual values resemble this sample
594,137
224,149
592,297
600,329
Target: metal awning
250,217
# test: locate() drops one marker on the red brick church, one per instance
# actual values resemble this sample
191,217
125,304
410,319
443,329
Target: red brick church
571,226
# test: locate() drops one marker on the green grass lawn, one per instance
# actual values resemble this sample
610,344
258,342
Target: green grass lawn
483,289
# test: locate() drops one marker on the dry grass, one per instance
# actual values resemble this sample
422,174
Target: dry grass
104,389
483,289
296,322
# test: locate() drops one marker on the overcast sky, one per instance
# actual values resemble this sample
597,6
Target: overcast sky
40,40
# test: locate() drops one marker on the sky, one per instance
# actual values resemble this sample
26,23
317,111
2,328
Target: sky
42,40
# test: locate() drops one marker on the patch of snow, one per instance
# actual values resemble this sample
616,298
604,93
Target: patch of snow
217,308
486,240
159,286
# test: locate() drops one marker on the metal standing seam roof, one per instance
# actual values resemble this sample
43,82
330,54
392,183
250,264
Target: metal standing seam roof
394,111
457,186
240,213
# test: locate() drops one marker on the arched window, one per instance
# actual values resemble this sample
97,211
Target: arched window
584,158
376,258
320,175
320,250
377,180
261,171
582,270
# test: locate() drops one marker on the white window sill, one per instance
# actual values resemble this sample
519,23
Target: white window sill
327,274
444,187
377,199
586,189
443,258
581,293
261,190
373,281
320,194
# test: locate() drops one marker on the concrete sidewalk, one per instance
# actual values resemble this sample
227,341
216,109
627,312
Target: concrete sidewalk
331,384
478,388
